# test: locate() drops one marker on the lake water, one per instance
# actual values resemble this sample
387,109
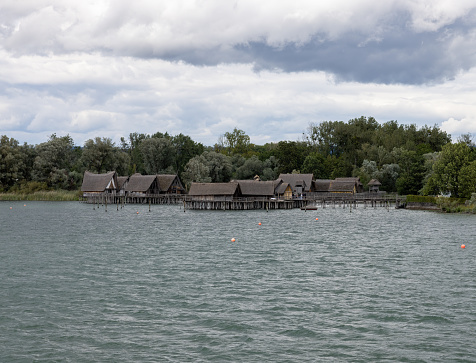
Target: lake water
360,285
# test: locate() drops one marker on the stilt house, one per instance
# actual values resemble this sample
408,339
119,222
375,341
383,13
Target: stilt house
170,184
142,185
214,191
95,184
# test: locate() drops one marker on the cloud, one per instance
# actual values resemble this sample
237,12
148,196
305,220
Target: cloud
458,127
410,42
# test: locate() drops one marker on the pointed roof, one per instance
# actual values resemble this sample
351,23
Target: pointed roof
256,187
297,179
166,181
374,182
198,189
121,180
281,188
140,183
99,182
322,185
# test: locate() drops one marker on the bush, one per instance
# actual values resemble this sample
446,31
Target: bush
420,199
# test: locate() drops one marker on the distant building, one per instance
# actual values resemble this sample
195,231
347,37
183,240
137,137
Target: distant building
374,186
220,192
94,184
300,183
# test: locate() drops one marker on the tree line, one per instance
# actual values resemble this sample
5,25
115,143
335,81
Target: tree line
404,158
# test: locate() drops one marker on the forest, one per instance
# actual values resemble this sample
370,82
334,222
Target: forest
404,158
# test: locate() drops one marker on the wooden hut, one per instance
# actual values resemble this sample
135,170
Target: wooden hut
214,191
170,184
322,185
97,184
374,186
300,183
283,190
346,185
142,185
256,188
121,184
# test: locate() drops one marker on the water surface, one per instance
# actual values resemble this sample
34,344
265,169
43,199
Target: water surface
85,285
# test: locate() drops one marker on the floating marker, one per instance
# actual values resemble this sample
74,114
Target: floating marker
137,212
463,246
11,207
232,240
317,219
259,224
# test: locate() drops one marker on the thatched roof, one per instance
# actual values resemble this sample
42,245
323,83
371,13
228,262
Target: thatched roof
342,186
374,182
322,185
167,180
298,179
121,180
199,189
140,183
281,188
256,188
99,182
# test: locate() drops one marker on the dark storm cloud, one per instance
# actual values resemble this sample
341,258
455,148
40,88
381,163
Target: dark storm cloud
399,55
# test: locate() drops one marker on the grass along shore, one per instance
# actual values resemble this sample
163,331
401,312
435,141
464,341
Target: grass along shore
43,195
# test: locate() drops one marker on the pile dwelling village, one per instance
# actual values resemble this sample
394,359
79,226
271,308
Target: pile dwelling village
287,192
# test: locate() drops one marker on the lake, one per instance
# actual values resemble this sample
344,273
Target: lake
368,284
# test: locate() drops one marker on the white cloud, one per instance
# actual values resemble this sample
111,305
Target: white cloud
458,127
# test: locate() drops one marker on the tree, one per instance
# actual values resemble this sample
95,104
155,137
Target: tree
270,169
315,164
291,155
219,166
236,141
158,155
54,161
101,155
185,149
468,180
12,162
196,171
449,168
412,171
251,167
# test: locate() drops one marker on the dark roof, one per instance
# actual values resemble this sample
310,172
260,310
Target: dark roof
342,186
197,189
166,181
121,180
256,187
98,182
140,183
294,179
281,188
374,182
322,185
354,179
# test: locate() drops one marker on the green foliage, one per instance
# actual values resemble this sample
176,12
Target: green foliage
158,155
452,170
236,142
420,199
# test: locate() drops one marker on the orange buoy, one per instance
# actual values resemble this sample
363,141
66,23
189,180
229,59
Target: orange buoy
24,205
11,207
259,223
317,219
232,240
463,246
137,212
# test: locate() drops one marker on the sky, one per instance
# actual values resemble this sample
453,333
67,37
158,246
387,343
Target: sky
108,68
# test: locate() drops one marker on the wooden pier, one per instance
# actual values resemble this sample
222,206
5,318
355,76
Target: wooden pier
309,202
